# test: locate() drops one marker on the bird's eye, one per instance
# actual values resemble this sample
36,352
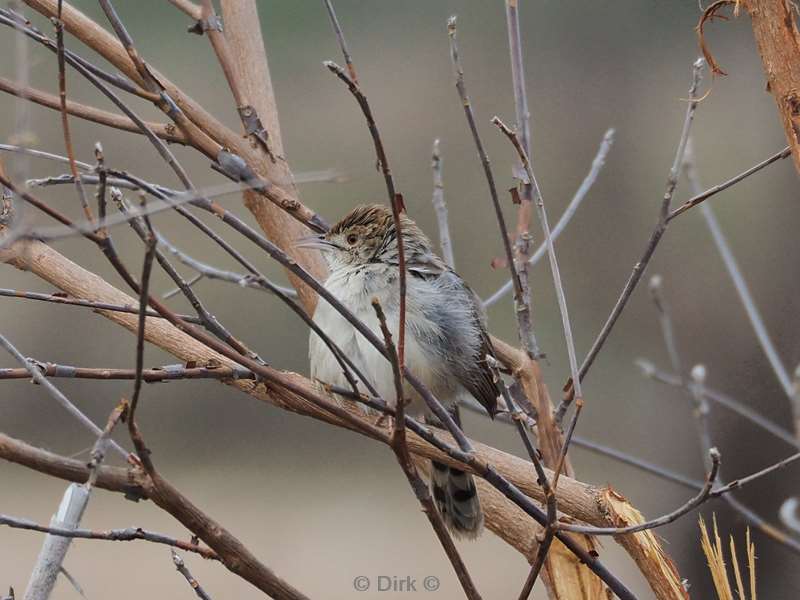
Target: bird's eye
352,239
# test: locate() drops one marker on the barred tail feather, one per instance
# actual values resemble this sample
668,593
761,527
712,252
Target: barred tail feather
457,500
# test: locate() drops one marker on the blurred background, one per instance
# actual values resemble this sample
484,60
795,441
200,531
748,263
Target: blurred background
320,505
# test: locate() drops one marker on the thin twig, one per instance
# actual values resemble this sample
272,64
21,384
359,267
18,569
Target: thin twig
62,95
348,61
742,290
164,373
400,448
522,307
517,418
167,132
55,393
559,288
650,371
113,535
440,207
655,237
702,197
147,268
183,570
690,505
395,199
577,199
58,299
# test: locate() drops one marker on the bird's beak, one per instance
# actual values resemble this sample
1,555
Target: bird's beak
316,241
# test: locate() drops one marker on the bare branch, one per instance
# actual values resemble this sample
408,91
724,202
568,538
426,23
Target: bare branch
690,505
183,570
112,535
655,237
56,394
90,113
521,301
577,199
440,207
400,447
735,273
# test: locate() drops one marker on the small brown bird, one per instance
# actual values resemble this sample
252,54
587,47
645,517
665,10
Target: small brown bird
446,342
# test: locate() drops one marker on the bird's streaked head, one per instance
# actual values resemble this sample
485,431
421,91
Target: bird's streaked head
366,235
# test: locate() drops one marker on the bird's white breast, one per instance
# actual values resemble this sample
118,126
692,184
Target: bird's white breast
356,288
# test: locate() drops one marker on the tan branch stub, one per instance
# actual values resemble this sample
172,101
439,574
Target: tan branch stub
578,500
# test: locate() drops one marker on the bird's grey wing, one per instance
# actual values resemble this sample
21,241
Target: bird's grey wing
467,361
480,381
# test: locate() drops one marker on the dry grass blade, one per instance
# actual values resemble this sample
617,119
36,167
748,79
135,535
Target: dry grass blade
719,571
716,560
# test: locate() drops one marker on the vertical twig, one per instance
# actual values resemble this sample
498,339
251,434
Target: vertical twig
566,216
655,237
742,290
524,325
522,237
62,95
519,419
400,448
440,207
559,288
395,198
348,61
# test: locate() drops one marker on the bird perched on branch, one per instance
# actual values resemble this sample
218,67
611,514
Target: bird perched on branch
445,341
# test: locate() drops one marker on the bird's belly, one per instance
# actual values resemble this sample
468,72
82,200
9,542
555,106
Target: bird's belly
421,357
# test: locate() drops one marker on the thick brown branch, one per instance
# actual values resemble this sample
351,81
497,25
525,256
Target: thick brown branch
89,113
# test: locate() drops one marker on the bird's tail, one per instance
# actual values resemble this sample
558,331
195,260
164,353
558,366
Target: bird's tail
457,500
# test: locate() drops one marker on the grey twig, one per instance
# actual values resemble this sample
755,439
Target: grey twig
650,371
742,290
164,373
559,288
702,197
62,94
73,582
348,61
58,299
665,320
128,534
440,207
400,448
655,237
55,393
577,199
518,419
175,291
690,505
183,570
521,300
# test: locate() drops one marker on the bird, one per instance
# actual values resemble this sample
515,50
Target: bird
446,343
